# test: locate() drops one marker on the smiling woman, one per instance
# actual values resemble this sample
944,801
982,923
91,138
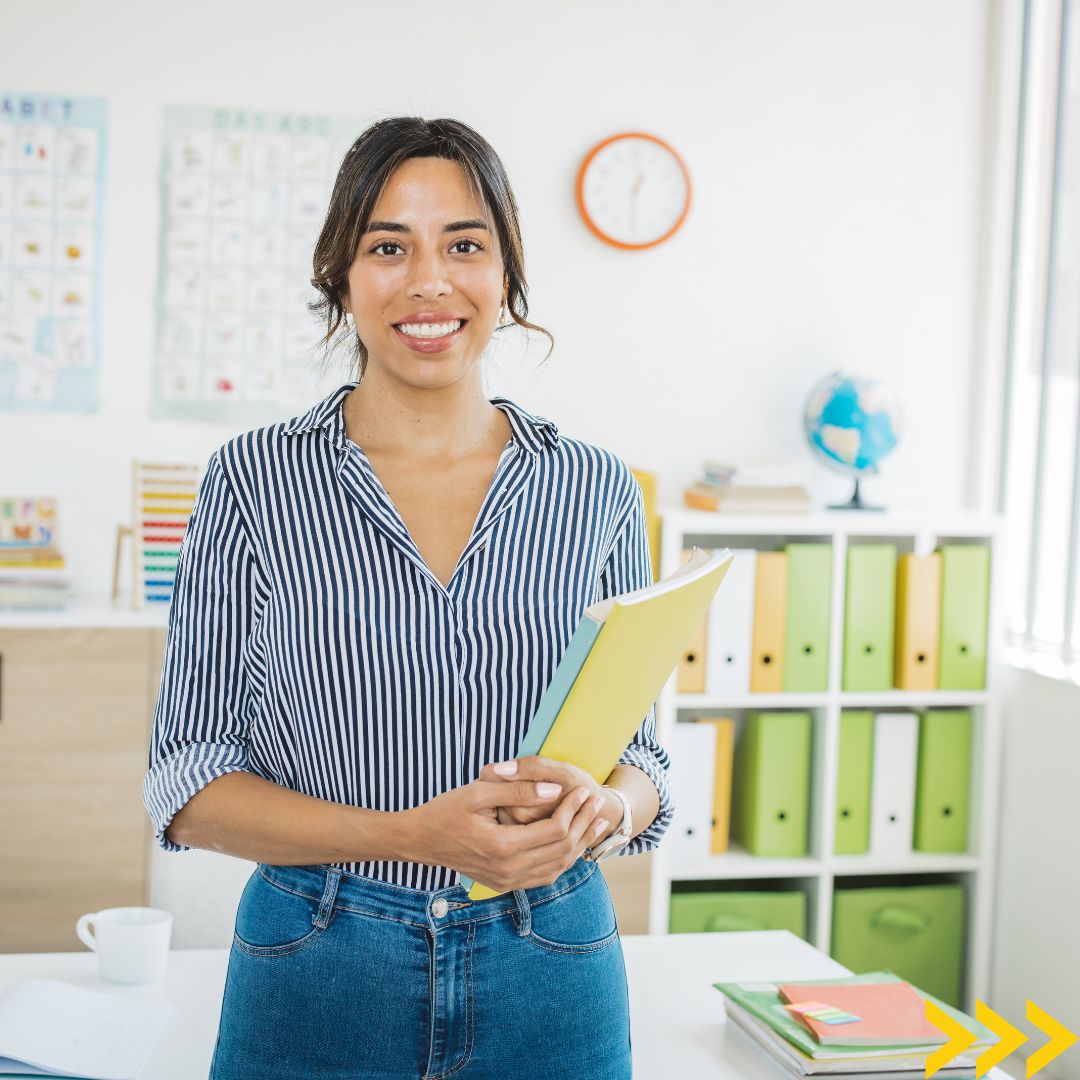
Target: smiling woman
370,602
365,223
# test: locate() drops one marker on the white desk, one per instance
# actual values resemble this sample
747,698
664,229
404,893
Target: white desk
677,1023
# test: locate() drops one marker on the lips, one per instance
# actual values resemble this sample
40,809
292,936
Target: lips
427,340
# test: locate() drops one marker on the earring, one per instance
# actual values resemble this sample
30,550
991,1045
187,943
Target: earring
504,317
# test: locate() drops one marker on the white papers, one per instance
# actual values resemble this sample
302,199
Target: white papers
63,1030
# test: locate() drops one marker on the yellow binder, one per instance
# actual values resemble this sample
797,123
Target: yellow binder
641,636
725,753
918,621
770,623
690,677
647,483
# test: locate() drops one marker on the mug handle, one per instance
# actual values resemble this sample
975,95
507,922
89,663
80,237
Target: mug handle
82,928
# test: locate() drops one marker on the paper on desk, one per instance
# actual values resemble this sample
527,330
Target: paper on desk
50,1028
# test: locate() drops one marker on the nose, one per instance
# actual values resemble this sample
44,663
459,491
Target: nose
429,278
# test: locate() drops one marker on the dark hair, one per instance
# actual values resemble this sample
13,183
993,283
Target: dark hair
363,174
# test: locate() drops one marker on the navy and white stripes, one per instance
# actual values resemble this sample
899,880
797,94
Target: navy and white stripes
309,643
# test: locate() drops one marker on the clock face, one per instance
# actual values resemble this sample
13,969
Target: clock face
633,190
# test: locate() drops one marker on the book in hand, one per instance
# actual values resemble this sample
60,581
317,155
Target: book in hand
759,1009
50,1028
623,651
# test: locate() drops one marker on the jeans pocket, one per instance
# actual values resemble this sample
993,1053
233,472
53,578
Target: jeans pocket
272,921
581,920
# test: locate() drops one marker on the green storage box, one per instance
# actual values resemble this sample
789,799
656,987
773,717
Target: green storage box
701,912
916,931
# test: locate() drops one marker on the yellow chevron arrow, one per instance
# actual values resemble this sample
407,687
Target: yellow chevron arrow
1009,1038
1061,1038
959,1038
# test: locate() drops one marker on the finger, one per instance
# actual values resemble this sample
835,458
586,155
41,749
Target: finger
518,793
552,859
548,830
531,767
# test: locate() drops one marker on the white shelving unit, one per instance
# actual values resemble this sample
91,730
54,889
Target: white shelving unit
818,872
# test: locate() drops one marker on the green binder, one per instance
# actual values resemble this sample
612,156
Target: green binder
965,597
771,804
869,599
855,768
809,597
943,780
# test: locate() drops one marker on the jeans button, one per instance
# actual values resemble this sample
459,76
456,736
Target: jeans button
440,908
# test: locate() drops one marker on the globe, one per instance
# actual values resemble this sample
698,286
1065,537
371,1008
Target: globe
852,424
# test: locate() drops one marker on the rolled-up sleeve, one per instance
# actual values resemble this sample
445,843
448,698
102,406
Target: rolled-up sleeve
202,718
628,567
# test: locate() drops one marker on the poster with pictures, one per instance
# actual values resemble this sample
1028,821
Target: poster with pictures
52,202
244,196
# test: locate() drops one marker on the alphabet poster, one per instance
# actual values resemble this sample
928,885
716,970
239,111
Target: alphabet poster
52,200
244,196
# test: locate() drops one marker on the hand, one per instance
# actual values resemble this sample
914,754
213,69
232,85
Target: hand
539,768
460,829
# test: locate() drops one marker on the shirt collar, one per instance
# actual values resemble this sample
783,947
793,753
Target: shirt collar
531,432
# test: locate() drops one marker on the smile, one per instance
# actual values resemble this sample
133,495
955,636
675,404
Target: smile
429,330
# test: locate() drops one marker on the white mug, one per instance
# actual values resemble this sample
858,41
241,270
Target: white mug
132,943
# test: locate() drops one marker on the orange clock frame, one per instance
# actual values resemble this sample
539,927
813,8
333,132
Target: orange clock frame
580,191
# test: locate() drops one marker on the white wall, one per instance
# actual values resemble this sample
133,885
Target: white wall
838,154
1036,942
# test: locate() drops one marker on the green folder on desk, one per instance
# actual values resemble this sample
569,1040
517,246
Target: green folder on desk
868,617
809,596
943,780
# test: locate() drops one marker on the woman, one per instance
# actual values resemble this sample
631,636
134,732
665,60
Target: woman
369,604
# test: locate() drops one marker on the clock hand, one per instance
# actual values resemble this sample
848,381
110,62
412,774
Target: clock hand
638,181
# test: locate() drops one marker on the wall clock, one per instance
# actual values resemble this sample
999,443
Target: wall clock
633,190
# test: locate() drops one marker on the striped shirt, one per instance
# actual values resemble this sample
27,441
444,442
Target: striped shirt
309,643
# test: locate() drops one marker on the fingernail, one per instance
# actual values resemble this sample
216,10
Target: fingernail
546,790
506,768
600,825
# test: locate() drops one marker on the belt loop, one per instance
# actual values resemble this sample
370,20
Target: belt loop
524,913
326,905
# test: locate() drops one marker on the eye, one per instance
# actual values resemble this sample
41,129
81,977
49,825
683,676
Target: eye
386,244
457,244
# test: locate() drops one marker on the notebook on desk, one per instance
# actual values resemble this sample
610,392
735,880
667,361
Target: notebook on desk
50,1028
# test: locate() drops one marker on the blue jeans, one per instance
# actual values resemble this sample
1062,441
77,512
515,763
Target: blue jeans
334,976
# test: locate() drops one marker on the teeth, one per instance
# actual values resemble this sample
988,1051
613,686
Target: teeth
429,330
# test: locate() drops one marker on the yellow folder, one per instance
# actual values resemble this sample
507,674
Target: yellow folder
725,753
647,483
641,636
770,623
918,621
690,676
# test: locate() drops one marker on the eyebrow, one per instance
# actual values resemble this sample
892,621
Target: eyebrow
397,227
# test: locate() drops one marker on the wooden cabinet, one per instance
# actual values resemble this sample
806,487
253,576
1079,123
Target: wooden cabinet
75,712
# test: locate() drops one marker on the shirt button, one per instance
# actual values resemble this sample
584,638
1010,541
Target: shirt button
440,908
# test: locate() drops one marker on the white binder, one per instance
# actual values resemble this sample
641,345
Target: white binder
892,800
731,626
692,750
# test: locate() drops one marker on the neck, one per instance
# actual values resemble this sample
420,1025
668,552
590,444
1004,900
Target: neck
438,423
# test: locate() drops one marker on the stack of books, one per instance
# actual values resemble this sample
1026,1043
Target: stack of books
862,1027
755,487
33,573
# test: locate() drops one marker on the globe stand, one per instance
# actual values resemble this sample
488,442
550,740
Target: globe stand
855,502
